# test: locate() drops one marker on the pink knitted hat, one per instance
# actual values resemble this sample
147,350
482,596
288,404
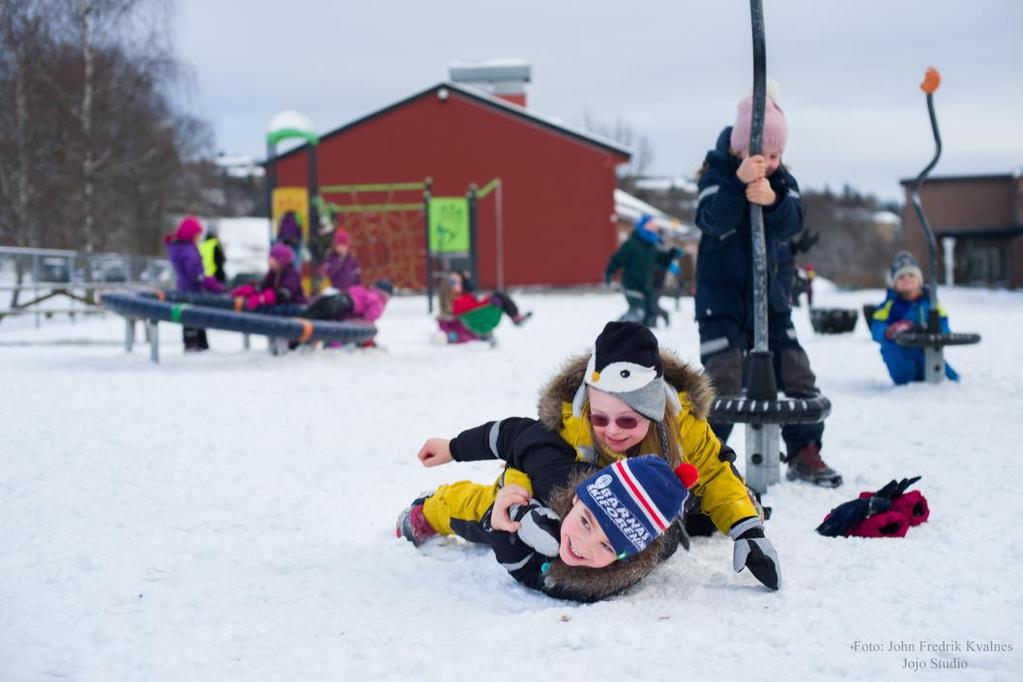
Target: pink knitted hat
776,129
189,228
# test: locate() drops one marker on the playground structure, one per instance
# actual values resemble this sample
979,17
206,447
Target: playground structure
392,224
153,308
932,340
759,406
833,320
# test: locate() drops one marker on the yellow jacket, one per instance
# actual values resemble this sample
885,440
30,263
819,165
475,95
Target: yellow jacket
721,490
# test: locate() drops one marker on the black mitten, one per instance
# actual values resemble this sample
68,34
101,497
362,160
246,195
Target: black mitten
754,551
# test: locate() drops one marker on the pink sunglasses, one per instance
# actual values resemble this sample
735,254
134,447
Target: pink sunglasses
624,423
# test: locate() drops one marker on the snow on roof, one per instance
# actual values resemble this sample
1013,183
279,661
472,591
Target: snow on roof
667,183
239,166
631,208
290,119
546,120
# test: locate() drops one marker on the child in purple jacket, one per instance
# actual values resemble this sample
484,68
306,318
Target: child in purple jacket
341,267
281,284
183,253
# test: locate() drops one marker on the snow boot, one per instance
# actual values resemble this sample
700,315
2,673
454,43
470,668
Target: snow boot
521,319
807,465
412,525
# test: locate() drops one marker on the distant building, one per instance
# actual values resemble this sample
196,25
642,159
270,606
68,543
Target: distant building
981,217
557,183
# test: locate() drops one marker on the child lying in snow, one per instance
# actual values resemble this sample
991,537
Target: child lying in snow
610,520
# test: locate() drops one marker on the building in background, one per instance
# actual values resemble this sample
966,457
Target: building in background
557,182
980,218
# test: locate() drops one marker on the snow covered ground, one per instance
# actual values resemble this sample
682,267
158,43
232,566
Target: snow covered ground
229,516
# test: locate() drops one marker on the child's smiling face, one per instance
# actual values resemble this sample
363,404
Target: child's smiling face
611,416
583,541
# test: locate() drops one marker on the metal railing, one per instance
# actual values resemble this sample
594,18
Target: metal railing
47,282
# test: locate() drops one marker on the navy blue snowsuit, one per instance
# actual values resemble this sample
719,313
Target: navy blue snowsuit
724,285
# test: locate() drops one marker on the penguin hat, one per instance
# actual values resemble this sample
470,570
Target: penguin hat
626,363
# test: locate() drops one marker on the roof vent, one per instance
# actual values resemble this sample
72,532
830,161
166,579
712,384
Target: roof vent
503,78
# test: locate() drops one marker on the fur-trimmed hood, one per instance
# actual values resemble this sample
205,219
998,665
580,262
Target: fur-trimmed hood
562,388
593,584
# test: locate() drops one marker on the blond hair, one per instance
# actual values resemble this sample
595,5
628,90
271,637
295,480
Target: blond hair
446,293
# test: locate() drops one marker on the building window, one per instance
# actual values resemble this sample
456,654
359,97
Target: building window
984,262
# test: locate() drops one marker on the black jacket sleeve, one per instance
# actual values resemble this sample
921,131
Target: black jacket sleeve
524,444
493,440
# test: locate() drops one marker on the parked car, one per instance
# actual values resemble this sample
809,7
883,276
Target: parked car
109,270
54,269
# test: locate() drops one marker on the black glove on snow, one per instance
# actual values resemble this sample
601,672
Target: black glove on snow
894,489
540,529
805,242
754,551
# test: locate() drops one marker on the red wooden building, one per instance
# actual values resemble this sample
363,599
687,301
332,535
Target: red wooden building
557,185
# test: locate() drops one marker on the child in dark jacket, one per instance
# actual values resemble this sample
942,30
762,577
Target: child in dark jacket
732,180
905,309
637,258
611,519
183,253
280,285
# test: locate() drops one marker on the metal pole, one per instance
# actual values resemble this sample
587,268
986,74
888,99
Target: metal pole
129,334
313,211
153,331
271,180
763,465
949,246
429,258
499,202
932,245
474,259
755,147
35,285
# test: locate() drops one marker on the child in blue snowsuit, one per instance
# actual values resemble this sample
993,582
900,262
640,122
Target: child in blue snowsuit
905,309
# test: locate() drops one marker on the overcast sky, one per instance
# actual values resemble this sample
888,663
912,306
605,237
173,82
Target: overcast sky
849,72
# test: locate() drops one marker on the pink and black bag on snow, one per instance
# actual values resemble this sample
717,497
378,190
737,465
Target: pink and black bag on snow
887,513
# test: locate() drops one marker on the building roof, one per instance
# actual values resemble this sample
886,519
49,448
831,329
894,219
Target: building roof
996,232
489,100
963,178
631,208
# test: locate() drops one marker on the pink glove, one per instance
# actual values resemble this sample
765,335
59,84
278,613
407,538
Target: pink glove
896,328
268,298
243,290
212,284
261,300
